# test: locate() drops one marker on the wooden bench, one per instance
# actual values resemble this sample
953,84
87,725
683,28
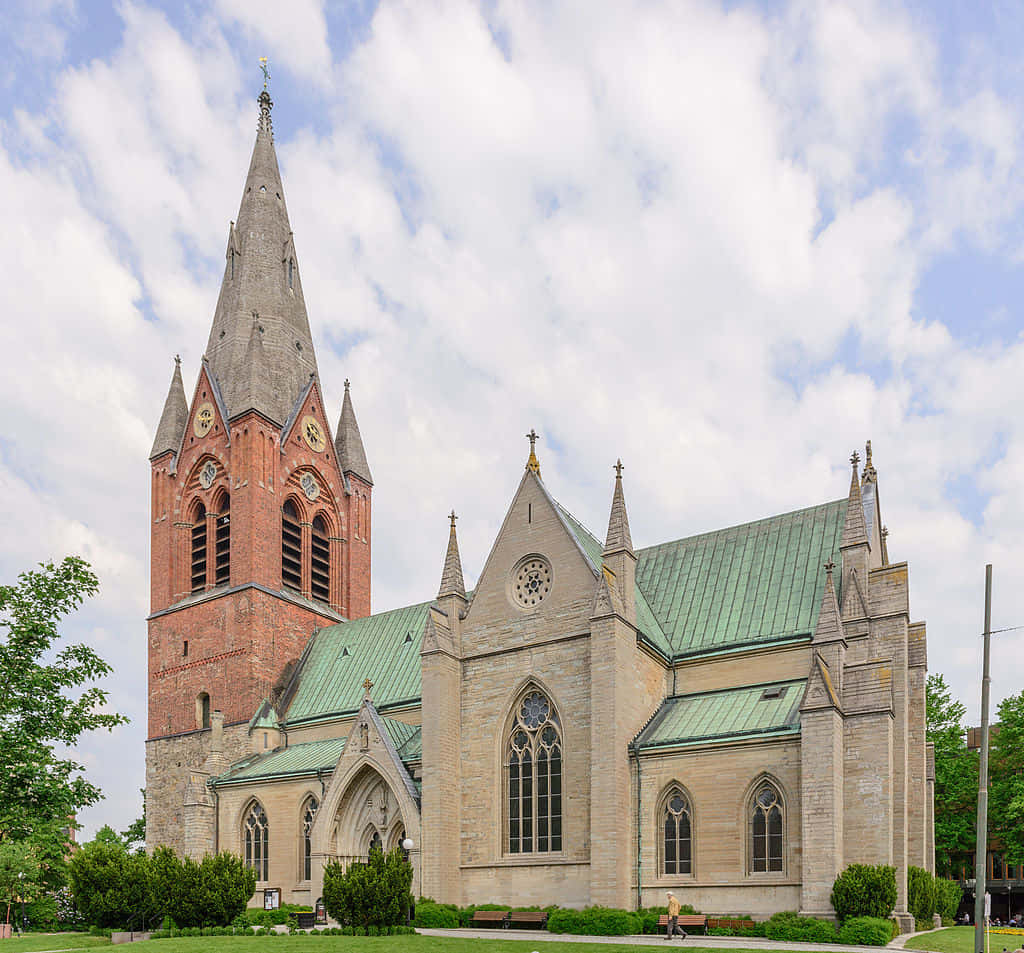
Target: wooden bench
498,918
531,918
730,923
687,921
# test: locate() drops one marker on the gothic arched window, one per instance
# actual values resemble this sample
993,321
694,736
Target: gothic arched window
678,833
198,577
222,542
320,569
257,840
534,765
308,815
291,547
203,710
375,843
766,829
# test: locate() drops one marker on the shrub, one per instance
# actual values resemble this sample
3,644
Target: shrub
791,927
865,931
594,921
921,896
863,890
108,884
948,896
376,892
437,916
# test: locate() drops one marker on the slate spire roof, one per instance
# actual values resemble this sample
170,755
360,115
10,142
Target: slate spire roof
451,578
261,294
174,418
348,444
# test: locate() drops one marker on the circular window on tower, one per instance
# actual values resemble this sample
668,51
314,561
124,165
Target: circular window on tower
531,581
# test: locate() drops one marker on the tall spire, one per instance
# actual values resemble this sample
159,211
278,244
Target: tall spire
261,276
618,537
174,418
451,578
855,531
348,444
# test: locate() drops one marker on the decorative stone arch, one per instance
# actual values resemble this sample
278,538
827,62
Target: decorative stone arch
763,780
324,500
534,826
665,808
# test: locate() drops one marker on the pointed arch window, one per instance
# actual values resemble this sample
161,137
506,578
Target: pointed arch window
766,829
198,575
320,574
291,272
257,840
291,547
222,543
375,843
677,833
308,816
534,773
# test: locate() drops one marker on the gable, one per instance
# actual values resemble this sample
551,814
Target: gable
746,585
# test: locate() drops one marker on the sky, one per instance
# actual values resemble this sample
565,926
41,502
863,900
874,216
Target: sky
728,242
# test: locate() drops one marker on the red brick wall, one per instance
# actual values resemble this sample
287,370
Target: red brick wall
239,643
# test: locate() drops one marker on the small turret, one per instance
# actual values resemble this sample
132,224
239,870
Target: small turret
451,577
174,418
856,551
618,548
348,444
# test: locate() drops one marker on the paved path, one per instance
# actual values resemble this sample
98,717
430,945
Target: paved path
714,942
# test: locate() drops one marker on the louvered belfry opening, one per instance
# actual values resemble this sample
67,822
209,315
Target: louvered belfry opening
222,547
199,549
321,568
291,547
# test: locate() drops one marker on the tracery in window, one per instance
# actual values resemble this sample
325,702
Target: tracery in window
375,843
534,765
766,830
677,845
257,840
308,816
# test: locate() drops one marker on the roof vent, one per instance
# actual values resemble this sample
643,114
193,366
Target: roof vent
408,638
770,693
344,652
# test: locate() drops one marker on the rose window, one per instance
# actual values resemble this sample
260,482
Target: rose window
531,581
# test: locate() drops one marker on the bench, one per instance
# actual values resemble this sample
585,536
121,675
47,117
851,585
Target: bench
687,921
498,918
730,923
537,919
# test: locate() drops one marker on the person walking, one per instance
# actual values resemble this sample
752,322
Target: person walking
674,929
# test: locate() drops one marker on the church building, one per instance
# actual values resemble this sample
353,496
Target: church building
736,716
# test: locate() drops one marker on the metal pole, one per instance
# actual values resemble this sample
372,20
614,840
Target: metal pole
981,847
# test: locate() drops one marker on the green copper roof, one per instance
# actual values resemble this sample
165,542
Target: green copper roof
646,621
384,648
758,582
407,739
304,758
735,713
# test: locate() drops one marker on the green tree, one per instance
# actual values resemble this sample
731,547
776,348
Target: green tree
109,885
956,778
372,894
1006,780
19,872
47,698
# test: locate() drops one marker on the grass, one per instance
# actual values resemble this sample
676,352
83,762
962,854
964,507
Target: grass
961,940
51,941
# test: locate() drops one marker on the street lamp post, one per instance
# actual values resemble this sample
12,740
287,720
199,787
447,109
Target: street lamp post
407,846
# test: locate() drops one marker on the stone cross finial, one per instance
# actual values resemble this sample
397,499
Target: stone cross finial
885,531
533,463
266,71
452,517
618,468
854,459
829,566
346,383
177,359
367,685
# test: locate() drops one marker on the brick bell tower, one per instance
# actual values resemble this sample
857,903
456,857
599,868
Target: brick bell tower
261,522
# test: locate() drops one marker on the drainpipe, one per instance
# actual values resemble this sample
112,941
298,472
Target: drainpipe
216,820
639,890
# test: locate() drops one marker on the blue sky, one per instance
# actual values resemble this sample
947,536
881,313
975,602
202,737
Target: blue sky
726,242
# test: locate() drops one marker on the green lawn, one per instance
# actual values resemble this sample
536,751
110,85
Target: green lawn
375,944
51,941
961,940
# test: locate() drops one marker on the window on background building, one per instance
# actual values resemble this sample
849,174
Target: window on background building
257,841
198,576
291,547
308,816
766,830
677,833
534,772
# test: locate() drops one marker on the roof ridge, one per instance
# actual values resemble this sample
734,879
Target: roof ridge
724,529
736,688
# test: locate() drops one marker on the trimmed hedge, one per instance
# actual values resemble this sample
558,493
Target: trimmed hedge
921,896
594,921
866,931
863,890
948,896
790,926
436,916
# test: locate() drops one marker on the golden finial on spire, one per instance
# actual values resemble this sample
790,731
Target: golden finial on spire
266,71
367,685
533,463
